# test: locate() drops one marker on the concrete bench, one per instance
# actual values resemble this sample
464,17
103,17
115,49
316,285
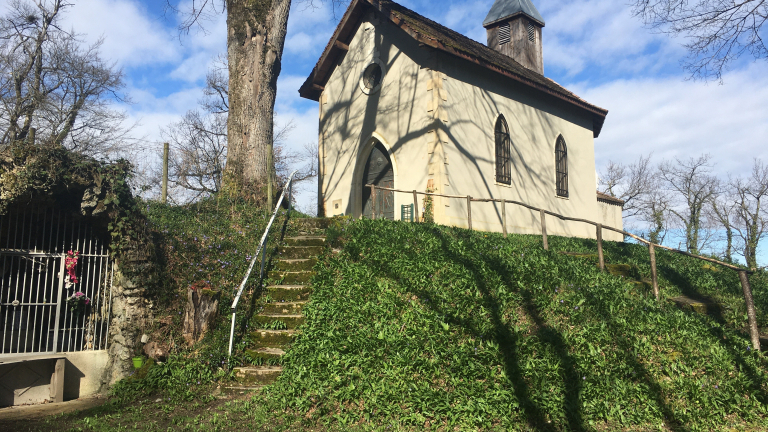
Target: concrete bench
57,378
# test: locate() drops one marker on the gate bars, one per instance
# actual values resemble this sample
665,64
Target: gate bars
34,314
743,273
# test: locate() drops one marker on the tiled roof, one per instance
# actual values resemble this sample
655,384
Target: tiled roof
609,199
442,38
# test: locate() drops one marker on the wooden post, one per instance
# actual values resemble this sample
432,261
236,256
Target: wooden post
469,211
164,196
753,333
57,381
504,217
599,235
373,202
544,229
654,278
270,165
415,206
31,135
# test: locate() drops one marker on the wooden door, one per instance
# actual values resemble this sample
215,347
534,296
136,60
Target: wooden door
378,171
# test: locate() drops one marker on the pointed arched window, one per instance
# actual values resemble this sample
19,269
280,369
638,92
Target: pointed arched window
561,167
503,152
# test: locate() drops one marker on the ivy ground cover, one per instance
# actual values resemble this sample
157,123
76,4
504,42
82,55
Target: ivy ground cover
416,326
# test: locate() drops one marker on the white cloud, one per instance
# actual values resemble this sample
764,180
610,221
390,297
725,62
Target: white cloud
131,36
603,33
675,118
303,45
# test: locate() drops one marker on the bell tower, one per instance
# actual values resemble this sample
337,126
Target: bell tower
514,29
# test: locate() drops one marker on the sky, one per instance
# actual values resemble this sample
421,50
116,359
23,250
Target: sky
595,48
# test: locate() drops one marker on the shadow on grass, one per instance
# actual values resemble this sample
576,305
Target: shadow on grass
509,342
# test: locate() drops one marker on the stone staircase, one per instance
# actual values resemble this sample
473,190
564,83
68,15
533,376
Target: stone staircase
281,315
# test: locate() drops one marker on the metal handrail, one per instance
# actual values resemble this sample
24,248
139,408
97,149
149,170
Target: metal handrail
262,248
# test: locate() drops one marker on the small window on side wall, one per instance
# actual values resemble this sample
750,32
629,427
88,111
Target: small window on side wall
503,152
561,167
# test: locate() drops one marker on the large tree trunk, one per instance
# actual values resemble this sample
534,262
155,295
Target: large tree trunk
255,39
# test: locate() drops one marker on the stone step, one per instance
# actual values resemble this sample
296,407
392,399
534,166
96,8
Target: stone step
240,390
288,293
250,375
283,308
291,321
702,306
313,223
305,241
265,353
291,278
295,264
300,251
624,270
273,338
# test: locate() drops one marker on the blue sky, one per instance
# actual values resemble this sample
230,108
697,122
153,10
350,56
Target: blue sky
595,48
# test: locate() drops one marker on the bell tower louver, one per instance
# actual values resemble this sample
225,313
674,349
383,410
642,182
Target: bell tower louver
514,29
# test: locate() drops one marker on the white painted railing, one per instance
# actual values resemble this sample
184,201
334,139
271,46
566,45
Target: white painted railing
263,250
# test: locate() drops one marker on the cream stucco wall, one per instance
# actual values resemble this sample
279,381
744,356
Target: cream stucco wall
435,115
610,215
395,115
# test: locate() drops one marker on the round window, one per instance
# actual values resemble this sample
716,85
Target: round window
372,76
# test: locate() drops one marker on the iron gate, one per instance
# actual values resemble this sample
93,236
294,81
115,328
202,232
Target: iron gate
44,307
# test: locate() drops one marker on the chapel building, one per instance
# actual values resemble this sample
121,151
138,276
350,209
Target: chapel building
409,104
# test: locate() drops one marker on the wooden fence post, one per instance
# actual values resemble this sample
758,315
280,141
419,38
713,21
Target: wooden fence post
544,230
599,235
753,333
654,278
373,202
504,217
164,191
415,206
469,211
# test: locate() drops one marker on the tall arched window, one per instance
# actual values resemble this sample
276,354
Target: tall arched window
503,152
561,167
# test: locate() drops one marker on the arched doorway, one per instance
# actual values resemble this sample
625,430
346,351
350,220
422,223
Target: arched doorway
378,171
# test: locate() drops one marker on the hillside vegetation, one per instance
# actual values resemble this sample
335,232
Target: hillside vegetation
417,325
423,327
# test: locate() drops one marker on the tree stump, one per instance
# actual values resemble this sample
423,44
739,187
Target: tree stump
202,307
156,351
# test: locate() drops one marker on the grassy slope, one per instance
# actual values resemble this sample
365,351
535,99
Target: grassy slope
416,325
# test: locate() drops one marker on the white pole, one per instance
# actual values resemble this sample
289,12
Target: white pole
231,334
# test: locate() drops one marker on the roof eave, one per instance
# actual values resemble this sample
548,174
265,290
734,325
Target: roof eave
312,87
509,17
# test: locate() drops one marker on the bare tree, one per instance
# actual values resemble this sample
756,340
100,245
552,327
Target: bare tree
53,83
199,145
718,31
657,214
256,32
723,210
751,215
631,183
198,151
691,182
